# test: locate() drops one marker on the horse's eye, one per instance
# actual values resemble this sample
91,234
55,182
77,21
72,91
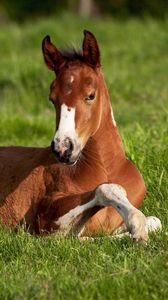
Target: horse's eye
91,96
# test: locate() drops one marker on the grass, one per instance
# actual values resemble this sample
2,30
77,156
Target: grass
135,64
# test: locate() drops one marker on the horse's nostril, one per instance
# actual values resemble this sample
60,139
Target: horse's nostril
54,150
68,144
71,146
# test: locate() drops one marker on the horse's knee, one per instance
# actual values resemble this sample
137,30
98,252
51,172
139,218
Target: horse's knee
108,191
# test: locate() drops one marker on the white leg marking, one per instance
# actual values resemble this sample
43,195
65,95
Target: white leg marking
153,224
113,195
81,232
66,220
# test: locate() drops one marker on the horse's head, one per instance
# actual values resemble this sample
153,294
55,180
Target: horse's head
75,94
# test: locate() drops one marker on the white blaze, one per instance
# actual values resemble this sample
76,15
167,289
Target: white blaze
67,123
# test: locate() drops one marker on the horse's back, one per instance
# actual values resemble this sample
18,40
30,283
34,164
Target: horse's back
15,162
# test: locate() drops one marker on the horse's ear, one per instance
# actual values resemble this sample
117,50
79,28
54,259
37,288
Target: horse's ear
53,58
91,53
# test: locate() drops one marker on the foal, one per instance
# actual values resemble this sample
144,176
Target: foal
83,183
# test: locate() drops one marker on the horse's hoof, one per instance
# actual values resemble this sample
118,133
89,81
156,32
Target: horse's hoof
153,224
137,227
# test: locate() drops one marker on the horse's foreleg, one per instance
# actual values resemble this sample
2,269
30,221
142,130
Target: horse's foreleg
136,222
83,207
115,196
152,223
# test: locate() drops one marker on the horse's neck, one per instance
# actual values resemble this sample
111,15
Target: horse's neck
103,153
109,145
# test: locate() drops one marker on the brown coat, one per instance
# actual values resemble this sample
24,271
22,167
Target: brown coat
35,187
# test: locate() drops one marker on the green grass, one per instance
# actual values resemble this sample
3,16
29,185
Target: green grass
135,64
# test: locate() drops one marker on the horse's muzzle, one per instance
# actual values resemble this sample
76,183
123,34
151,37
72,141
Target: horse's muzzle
63,151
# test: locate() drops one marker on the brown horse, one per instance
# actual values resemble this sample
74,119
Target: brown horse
83,183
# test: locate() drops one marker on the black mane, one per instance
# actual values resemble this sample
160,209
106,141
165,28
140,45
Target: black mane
71,53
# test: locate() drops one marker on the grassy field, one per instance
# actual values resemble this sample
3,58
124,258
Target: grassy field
135,63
